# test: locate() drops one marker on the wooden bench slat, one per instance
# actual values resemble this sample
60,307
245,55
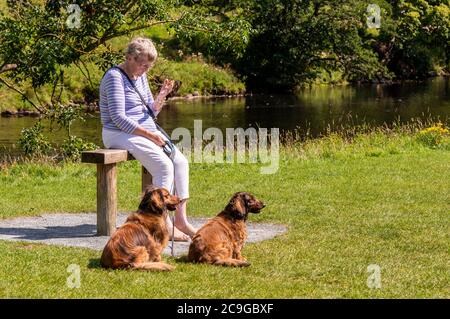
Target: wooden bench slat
105,156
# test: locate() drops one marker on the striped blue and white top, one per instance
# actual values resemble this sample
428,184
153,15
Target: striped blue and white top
121,108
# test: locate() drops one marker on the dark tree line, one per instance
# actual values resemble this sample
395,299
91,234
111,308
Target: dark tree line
290,42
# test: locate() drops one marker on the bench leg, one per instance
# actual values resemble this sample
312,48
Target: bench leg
146,178
106,199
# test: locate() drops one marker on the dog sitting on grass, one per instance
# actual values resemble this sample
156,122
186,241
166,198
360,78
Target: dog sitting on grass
139,242
220,240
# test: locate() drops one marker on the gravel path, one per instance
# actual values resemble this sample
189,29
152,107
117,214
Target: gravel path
78,230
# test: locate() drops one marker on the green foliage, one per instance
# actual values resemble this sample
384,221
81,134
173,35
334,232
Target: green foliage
73,146
198,76
293,41
224,41
415,37
436,136
32,141
287,43
64,116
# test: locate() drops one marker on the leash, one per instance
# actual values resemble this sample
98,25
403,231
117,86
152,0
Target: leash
173,223
173,234
172,218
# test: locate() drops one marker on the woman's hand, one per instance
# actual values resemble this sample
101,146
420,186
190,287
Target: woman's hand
167,87
157,139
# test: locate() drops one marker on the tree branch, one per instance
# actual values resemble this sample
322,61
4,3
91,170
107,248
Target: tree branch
22,94
37,96
87,74
104,37
55,84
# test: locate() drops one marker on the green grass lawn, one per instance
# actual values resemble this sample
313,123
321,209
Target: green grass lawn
346,205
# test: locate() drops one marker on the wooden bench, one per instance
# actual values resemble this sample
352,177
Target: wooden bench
106,160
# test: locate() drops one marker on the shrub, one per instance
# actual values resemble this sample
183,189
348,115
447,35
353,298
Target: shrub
73,146
435,136
32,142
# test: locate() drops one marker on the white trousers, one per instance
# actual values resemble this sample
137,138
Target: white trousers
174,176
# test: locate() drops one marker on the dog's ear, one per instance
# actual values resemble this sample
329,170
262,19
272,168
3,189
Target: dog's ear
237,206
152,201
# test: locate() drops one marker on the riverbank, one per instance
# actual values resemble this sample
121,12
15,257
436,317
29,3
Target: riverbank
348,202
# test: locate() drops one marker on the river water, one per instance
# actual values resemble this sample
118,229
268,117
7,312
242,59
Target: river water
316,109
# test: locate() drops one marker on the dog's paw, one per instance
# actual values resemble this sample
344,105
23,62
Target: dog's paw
244,263
168,267
153,266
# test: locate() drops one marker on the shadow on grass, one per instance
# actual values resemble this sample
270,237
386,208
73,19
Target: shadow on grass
94,263
182,260
50,232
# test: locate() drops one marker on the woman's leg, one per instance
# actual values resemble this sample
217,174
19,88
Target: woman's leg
181,221
181,179
178,235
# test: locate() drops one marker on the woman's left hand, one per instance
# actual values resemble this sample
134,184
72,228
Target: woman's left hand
167,87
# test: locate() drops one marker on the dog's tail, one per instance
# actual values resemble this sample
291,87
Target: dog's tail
230,262
153,266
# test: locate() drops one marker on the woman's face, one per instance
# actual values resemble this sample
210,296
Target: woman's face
139,65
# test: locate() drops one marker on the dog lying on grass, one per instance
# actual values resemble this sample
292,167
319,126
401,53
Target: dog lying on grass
139,242
220,240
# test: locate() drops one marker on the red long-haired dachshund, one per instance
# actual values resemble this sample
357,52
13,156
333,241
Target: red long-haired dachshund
220,240
139,242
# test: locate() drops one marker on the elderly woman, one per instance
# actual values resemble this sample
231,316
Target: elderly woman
128,125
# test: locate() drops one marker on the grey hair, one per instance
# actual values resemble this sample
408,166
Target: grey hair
142,47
